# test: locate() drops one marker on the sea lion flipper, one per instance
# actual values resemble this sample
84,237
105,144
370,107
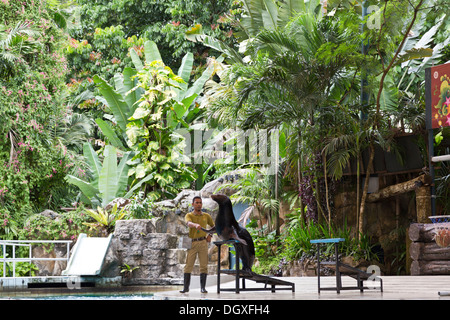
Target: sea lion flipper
235,236
210,231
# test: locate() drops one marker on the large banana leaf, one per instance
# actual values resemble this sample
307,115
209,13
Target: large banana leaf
270,15
110,134
288,9
122,174
136,60
116,103
185,70
86,188
124,83
252,21
151,51
108,182
93,162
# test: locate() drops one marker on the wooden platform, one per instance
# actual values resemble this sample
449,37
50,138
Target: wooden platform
248,275
270,283
395,288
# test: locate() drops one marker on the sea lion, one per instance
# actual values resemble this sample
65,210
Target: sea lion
227,228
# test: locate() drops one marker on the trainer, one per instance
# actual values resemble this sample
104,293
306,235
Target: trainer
196,220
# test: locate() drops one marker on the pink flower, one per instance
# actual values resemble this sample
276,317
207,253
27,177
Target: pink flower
447,101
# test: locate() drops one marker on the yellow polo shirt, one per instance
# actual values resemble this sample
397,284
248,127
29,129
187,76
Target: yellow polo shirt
202,219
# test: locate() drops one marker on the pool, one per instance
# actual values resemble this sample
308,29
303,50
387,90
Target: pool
100,296
114,293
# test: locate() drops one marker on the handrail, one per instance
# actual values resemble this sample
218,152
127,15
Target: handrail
29,244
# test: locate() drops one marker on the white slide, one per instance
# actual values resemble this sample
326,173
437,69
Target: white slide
87,256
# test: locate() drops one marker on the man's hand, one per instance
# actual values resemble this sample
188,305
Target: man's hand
194,225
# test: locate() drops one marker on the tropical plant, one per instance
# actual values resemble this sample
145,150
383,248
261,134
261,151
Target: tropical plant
164,22
108,180
289,76
14,45
67,226
148,104
297,236
127,271
33,164
257,188
303,73
149,133
105,219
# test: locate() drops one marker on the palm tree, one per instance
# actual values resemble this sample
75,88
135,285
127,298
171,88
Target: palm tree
15,45
289,78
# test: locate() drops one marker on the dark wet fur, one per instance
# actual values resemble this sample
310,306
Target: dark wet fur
227,228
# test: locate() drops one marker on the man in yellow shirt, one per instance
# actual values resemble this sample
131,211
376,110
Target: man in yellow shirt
197,220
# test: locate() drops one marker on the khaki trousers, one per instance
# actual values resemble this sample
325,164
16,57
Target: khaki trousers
199,248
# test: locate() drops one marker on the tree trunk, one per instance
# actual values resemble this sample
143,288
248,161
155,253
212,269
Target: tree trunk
428,251
423,204
399,188
423,267
424,232
366,188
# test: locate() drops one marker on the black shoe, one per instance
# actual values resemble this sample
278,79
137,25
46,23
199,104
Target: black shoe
203,282
187,282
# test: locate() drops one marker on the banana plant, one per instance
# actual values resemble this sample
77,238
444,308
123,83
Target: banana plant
124,100
108,180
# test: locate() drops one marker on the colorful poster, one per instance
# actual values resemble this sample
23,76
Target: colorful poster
437,81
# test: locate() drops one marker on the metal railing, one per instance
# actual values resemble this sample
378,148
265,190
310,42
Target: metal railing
28,243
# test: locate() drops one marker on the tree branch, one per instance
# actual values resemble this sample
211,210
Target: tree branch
386,71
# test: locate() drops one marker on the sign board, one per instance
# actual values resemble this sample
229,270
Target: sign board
437,96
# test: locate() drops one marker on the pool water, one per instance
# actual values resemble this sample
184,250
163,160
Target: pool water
87,293
100,296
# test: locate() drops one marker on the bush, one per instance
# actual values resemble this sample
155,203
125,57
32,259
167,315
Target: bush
297,236
295,244
67,226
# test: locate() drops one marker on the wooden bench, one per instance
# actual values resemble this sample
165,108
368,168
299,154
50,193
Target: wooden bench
342,269
246,275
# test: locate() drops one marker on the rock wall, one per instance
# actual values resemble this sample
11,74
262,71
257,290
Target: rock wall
156,255
154,246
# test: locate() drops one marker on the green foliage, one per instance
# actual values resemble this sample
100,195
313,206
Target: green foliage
148,103
15,45
23,269
127,271
67,226
105,53
297,236
105,219
164,22
108,180
140,208
149,132
30,106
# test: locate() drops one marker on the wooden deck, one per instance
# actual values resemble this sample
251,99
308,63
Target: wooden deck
395,288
